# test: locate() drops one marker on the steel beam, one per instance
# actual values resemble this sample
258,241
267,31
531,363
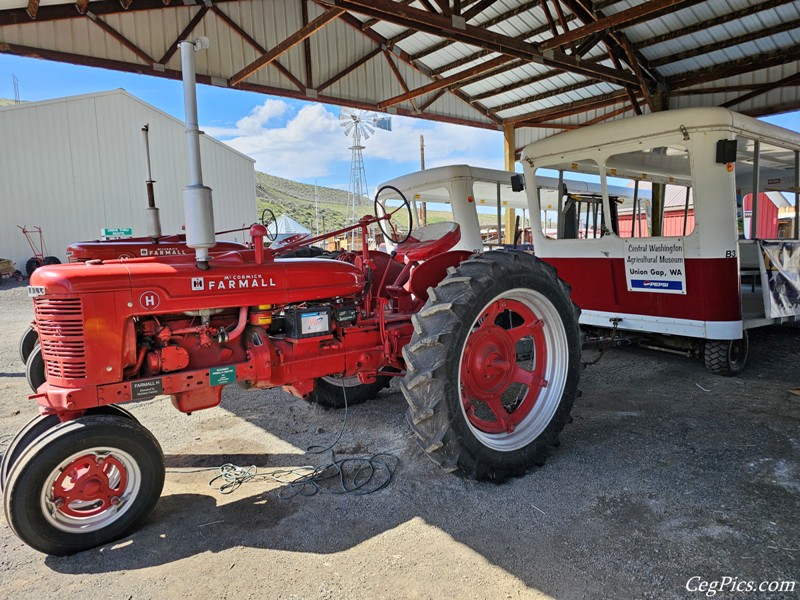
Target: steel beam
183,34
120,38
258,47
443,82
622,19
439,25
289,42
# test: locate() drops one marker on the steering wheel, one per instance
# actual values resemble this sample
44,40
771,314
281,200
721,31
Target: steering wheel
394,211
269,221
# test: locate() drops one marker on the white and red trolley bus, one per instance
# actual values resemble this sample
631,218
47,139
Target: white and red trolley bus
677,229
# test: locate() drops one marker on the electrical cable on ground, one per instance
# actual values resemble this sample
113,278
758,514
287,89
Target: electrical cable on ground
352,476
355,476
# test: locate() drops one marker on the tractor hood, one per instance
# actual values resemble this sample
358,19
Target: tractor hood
174,245
159,286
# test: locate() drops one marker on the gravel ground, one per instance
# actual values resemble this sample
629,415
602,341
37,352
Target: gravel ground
666,473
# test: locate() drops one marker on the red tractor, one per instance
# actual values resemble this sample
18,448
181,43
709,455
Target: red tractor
155,245
486,346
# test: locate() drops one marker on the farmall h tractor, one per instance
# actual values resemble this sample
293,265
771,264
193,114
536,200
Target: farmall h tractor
486,347
154,244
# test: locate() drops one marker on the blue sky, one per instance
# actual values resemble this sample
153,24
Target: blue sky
288,138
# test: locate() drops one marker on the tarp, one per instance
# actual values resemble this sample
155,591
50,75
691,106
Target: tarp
288,227
780,277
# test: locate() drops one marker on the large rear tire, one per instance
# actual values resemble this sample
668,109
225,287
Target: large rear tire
726,357
328,391
493,366
27,343
84,483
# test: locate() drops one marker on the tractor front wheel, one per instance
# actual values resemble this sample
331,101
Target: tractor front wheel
84,483
493,366
37,427
333,392
27,343
34,368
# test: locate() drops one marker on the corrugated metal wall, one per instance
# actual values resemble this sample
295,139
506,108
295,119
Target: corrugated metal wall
76,165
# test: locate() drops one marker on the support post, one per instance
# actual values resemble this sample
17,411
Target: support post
509,153
756,186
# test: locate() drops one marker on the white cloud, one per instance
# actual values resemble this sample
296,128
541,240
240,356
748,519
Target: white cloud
259,116
311,142
252,123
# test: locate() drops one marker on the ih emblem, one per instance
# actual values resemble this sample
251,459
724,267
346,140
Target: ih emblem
149,300
198,284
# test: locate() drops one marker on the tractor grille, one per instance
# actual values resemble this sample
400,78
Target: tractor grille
60,325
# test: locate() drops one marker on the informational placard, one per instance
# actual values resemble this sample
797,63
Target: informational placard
655,266
222,375
780,278
116,232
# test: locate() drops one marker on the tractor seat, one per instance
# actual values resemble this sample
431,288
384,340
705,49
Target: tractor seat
429,241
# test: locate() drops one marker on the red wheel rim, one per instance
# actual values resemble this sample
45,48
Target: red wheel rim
89,485
498,393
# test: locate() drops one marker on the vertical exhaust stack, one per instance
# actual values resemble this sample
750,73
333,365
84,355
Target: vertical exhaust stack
198,209
152,218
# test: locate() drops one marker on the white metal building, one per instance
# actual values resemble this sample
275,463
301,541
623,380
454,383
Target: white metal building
76,165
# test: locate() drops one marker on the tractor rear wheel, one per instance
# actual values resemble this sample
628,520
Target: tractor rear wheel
493,366
27,343
333,392
32,264
37,427
726,357
34,368
84,483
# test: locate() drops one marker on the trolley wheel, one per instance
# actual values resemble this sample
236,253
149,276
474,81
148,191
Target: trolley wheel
493,366
37,427
328,391
34,368
726,357
51,260
27,343
84,483
32,264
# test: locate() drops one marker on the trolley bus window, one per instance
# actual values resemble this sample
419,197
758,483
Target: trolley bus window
571,201
653,191
765,186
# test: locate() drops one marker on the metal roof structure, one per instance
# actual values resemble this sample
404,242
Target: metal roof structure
537,67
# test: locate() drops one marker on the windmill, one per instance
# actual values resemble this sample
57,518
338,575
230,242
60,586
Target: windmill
359,125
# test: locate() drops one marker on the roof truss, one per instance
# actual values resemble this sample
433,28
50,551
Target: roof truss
487,63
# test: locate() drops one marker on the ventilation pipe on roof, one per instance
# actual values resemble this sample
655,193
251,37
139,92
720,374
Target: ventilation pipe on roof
198,209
